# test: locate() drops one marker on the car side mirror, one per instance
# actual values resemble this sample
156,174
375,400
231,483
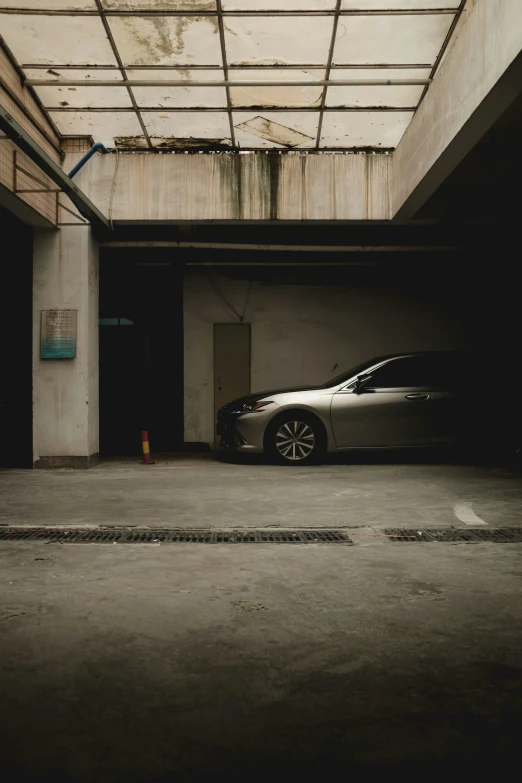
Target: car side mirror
361,383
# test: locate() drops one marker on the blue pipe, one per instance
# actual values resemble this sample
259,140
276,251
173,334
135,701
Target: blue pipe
81,163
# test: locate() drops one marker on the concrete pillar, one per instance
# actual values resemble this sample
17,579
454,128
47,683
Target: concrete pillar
65,391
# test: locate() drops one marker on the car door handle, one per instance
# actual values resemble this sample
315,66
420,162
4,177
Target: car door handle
419,396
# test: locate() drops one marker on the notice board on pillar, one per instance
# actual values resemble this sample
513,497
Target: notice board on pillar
58,334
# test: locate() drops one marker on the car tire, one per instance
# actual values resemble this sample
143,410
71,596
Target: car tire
296,438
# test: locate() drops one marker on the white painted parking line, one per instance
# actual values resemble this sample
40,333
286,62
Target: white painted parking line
465,513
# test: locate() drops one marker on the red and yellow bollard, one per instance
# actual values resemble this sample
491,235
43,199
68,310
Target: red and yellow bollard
145,447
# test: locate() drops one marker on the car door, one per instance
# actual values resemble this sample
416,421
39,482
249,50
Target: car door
393,410
452,410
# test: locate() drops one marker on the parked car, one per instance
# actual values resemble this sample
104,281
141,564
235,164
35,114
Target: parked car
403,400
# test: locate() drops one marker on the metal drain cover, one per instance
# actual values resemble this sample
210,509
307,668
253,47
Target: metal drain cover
499,535
135,536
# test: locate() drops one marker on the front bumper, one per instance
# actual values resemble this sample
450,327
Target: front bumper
243,431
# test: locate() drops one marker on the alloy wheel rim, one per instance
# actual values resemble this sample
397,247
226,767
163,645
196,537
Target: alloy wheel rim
295,440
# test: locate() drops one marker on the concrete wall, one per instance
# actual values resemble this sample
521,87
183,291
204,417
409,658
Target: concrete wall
65,391
302,334
168,187
479,77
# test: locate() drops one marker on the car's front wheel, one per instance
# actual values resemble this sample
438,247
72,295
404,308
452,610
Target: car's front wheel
295,439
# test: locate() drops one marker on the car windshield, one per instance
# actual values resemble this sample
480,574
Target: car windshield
357,370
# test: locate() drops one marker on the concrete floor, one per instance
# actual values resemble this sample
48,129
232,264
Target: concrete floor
187,662
153,663
200,491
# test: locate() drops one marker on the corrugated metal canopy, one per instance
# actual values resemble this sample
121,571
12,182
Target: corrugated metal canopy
248,74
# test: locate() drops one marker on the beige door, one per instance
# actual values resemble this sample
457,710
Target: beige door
231,363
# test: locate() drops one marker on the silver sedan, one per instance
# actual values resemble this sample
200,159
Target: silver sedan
406,400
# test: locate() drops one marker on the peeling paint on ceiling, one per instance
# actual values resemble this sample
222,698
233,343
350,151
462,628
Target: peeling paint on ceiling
160,142
273,131
160,5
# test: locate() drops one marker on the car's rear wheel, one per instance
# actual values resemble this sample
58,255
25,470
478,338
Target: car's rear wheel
295,439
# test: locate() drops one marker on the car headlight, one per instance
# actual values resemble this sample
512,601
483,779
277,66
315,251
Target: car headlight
251,407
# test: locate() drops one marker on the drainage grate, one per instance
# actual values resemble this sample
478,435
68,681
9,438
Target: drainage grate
499,535
134,536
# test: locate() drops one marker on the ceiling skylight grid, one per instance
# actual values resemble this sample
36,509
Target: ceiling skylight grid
230,74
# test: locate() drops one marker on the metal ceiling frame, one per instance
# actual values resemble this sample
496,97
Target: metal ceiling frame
242,67
221,109
221,27
118,59
227,83
443,48
183,83
327,73
217,13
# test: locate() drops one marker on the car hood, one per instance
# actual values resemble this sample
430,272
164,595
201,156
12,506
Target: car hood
264,394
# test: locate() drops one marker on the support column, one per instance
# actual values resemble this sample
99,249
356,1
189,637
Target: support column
65,391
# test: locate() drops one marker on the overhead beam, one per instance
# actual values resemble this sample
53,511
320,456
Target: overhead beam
206,13
220,109
285,248
233,67
478,80
183,83
24,142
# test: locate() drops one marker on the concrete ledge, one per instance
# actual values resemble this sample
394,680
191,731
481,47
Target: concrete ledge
48,463
174,188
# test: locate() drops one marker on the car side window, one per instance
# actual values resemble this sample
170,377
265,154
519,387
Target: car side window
453,371
413,371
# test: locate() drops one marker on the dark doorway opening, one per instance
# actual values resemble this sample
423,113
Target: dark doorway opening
16,326
141,353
